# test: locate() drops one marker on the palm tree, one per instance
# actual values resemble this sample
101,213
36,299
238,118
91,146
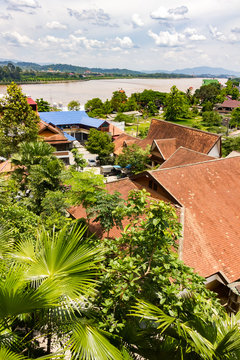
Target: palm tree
30,154
47,283
189,337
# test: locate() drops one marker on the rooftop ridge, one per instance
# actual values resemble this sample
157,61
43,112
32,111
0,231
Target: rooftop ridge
186,127
198,163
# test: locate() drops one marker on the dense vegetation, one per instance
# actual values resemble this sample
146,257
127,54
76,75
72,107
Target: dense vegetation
22,72
91,298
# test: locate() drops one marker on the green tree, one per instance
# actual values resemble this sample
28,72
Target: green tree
97,113
93,104
123,117
118,100
141,263
100,143
107,107
48,283
207,106
43,105
18,122
235,118
208,93
230,144
103,210
74,105
151,108
135,156
212,118
79,161
176,105
188,335
84,187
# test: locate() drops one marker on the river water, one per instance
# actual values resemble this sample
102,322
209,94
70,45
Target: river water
63,93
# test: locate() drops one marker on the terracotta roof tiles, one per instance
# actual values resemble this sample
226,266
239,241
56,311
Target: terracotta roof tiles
209,193
183,156
190,138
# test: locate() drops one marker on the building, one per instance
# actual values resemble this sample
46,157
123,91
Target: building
164,138
78,123
206,194
227,106
62,142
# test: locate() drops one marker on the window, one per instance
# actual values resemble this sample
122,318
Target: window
150,184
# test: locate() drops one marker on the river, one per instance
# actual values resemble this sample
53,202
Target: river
63,93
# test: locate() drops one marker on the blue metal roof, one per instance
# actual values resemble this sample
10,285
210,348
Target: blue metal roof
59,118
69,137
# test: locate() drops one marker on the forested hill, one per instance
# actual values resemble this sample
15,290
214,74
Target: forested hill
68,68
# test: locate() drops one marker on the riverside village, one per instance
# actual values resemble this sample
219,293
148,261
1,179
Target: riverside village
119,225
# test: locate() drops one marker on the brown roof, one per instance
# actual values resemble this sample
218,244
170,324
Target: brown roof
118,143
51,133
166,147
185,136
209,193
190,138
124,186
183,156
230,104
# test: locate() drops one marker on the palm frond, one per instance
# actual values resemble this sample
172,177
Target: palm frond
87,343
64,257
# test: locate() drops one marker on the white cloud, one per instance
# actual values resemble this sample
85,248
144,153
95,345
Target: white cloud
137,21
22,5
165,38
55,25
17,39
163,13
236,30
125,42
218,35
78,32
87,43
93,16
193,35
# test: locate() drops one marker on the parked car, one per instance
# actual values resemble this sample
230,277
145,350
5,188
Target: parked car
92,162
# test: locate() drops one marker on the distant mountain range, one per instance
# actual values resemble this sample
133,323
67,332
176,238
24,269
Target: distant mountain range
201,71
68,68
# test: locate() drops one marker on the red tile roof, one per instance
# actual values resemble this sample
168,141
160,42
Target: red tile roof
230,104
209,193
123,186
183,156
51,133
118,143
166,147
190,138
30,101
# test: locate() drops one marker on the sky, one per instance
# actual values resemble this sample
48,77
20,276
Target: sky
132,34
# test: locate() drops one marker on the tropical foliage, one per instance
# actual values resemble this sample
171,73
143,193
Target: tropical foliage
18,122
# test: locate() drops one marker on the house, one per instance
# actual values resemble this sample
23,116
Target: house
164,138
207,198
184,156
227,106
208,195
62,142
32,103
78,123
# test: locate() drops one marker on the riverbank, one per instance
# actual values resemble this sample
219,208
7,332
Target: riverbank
82,90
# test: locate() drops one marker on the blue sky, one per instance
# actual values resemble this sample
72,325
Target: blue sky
133,34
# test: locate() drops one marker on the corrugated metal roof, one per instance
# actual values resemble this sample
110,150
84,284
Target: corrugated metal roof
69,137
70,118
